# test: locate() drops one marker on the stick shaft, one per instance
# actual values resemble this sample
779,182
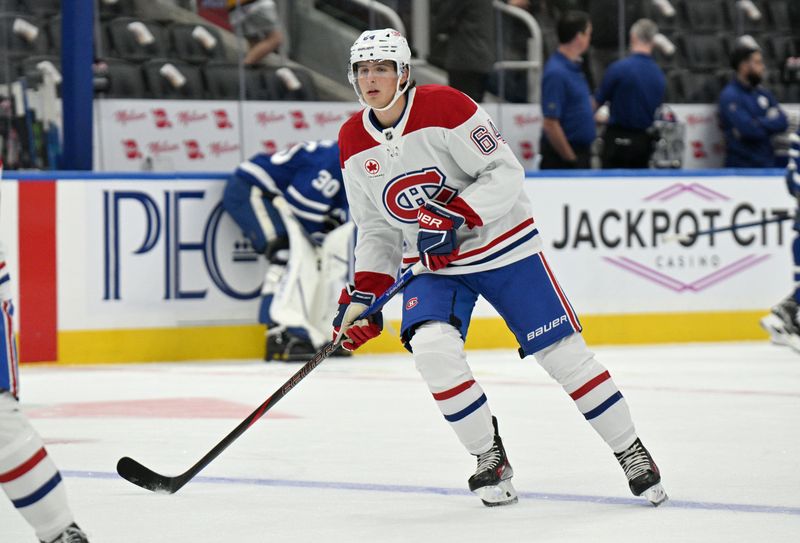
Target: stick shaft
730,228
144,477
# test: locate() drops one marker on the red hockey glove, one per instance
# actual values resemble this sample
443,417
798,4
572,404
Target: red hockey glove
436,241
351,304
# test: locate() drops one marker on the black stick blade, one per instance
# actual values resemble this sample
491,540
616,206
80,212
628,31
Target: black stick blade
142,476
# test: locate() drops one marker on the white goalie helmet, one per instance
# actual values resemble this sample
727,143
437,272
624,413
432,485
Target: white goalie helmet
377,45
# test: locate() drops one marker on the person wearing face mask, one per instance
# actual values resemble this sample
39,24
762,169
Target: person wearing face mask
749,114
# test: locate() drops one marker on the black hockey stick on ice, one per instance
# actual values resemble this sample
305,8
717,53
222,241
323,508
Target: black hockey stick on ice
690,236
142,476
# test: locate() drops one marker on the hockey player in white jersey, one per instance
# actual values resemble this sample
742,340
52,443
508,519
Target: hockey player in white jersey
292,207
27,473
428,176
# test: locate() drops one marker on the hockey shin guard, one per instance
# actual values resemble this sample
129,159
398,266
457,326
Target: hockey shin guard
589,384
440,359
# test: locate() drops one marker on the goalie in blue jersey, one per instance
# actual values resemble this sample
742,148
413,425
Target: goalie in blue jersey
782,322
291,206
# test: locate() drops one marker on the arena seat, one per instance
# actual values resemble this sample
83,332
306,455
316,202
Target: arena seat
779,48
123,79
42,8
705,15
703,51
741,23
186,47
222,82
777,12
306,92
158,86
15,45
124,44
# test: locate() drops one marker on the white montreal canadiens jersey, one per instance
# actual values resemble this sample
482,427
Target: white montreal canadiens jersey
444,148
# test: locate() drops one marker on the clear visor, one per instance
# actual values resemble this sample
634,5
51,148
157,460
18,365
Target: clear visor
375,68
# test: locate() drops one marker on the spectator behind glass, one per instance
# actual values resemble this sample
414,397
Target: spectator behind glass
567,104
634,88
749,114
259,24
466,28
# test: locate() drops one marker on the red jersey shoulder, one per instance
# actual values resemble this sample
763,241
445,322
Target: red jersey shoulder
353,138
439,106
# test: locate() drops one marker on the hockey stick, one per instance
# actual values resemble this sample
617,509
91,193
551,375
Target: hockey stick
140,475
685,238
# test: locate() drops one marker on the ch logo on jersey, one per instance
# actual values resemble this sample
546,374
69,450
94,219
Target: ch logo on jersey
412,303
404,194
372,166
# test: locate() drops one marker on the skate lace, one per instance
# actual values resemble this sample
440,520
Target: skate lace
489,460
635,461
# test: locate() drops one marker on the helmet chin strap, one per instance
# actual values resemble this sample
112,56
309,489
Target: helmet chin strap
397,94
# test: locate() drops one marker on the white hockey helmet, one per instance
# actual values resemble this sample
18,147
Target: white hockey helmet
377,45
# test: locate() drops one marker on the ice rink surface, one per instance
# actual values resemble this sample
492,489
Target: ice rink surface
359,452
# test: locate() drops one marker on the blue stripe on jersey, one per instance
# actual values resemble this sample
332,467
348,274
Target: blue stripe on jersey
520,241
467,410
597,411
43,491
5,278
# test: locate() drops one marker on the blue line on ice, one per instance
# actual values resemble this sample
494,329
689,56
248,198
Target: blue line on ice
405,489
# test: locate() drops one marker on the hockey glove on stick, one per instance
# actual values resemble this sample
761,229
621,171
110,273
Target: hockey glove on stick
436,241
351,304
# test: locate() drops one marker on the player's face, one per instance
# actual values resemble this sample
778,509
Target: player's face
377,81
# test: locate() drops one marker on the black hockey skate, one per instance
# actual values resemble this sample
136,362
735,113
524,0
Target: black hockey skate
643,475
492,479
286,347
782,324
73,534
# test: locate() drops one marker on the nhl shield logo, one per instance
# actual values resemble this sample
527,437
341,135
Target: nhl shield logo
372,166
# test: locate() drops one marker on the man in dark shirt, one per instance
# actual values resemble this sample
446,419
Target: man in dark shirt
467,28
748,113
568,129
634,88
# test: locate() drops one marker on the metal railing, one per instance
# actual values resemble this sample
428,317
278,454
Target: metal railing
534,51
391,15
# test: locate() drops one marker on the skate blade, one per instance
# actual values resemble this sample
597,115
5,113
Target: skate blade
656,495
774,328
778,334
500,494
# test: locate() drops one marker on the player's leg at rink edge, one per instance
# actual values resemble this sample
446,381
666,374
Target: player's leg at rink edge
440,359
597,397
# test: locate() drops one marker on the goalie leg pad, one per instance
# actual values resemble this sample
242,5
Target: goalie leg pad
591,387
28,475
440,359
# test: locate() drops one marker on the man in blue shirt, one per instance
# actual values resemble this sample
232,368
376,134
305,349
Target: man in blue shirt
634,89
748,113
568,129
